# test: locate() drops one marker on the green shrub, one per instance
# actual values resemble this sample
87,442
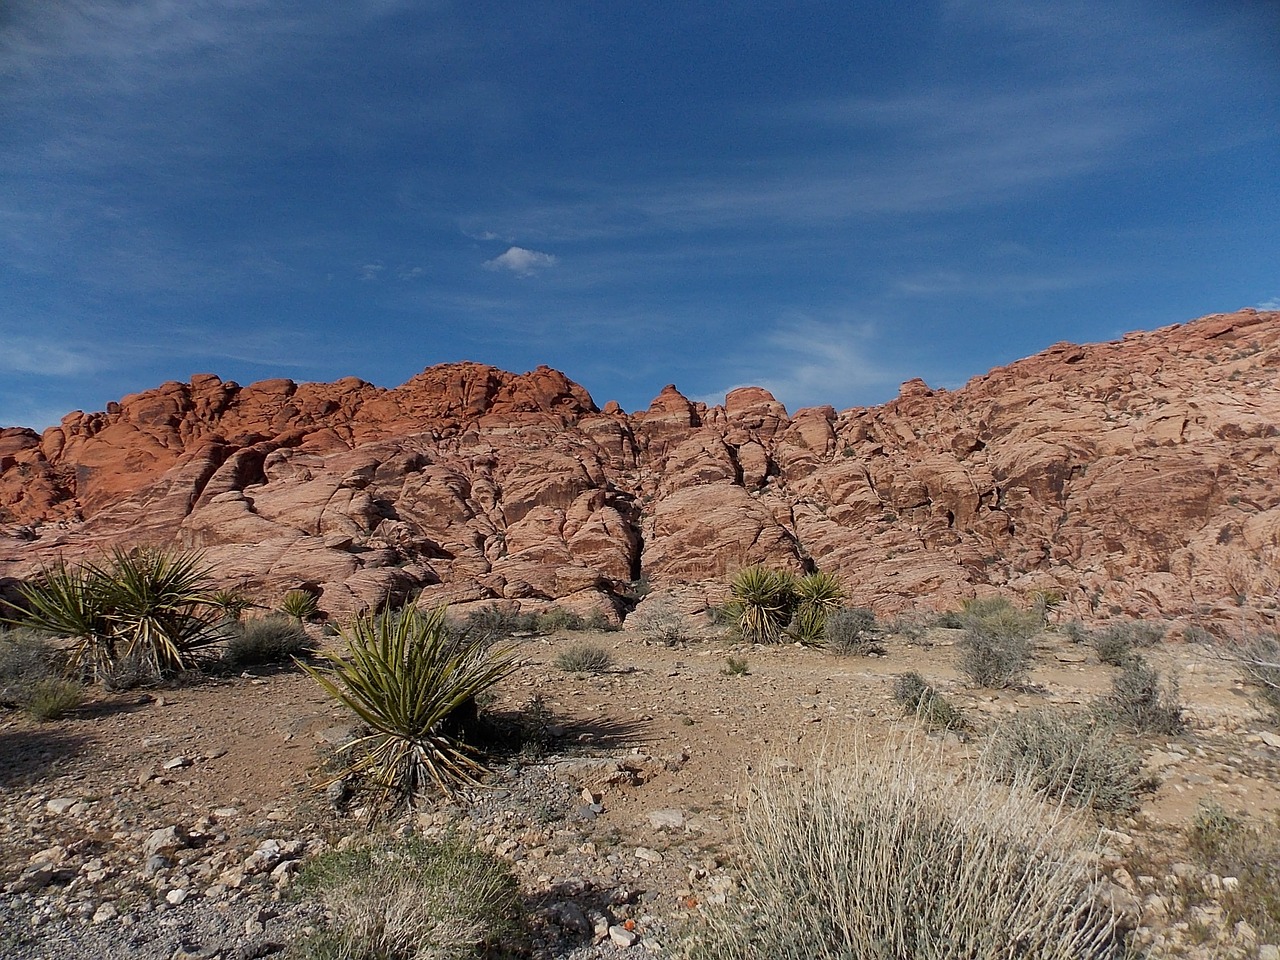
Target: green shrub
1249,850
411,900
1141,702
232,603
25,657
584,658
411,680
817,597
300,604
919,699
763,602
499,623
893,857
52,698
851,630
558,619
1259,658
736,666
1077,632
1113,647
997,617
994,659
142,613
1068,756
275,638
599,621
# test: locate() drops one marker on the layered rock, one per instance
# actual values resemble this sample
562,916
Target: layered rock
1140,476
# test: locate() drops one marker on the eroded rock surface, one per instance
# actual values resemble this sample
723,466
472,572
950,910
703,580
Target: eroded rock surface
1140,475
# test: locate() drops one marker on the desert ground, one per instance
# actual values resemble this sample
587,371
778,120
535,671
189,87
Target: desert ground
623,817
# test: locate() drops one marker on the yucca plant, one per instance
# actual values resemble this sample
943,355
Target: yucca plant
231,603
817,596
300,604
148,608
762,601
405,676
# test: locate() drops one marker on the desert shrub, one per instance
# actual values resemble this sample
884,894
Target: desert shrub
763,601
52,698
411,900
919,699
300,604
1140,701
275,638
1069,756
584,658
661,621
889,857
410,680
1113,647
1249,850
499,623
909,626
1259,658
140,614
997,617
1077,632
600,622
994,659
851,630
736,666
557,619
949,620
816,597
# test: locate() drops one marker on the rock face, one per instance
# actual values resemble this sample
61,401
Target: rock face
1141,476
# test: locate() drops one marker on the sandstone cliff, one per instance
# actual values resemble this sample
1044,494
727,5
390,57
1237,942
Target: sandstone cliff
1140,476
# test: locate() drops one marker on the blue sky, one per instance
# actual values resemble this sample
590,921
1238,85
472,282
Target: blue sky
825,199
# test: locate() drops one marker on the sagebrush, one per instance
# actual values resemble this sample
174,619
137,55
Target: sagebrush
889,857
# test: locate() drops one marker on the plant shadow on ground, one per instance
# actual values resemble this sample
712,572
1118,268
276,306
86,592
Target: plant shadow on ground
30,756
534,731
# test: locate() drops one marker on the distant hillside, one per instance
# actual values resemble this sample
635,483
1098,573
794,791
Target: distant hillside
1140,476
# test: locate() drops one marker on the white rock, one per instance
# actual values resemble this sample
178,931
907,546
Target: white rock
176,897
177,763
106,911
622,936
666,819
60,805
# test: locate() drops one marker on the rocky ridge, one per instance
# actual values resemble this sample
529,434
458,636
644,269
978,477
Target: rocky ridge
1138,476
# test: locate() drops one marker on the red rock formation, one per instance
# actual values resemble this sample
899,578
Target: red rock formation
1140,475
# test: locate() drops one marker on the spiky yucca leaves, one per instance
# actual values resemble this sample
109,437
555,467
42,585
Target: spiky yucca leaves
300,604
817,596
405,675
762,601
149,608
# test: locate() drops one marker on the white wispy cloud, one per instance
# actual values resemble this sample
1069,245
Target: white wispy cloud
371,271
47,358
806,361
1271,304
522,262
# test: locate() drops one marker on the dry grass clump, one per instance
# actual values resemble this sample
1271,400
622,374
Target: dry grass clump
661,622
886,857
996,648
918,698
1249,850
851,631
1068,755
584,658
275,638
1141,701
1259,658
31,677
411,900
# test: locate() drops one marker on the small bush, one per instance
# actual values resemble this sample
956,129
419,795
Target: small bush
993,659
25,658
736,666
1068,756
1113,647
275,638
52,698
412,900
885,858
1259,658
600,622
300,604
1236,846
851,631
916,697
584,658
556,620
1077,632
661,621
499,623
1141,702
997,617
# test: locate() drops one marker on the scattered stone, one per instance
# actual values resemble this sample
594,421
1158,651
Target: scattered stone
671,819
177,763
60,805
623,937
